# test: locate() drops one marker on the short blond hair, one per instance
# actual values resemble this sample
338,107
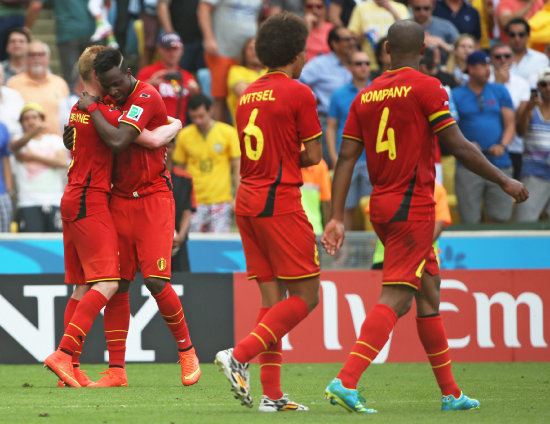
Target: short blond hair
86,62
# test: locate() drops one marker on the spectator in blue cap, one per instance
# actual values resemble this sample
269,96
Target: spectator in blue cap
486,117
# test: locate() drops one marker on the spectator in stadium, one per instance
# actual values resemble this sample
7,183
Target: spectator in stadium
325,73
74,25
518,87
151,27
526,62
174,84
486,119
382,59
16,49
315,14
225,26
38,84
456,64
370,21
339,11
440,33
316,194
399,166
242,74
12,15
507,10
181,17
430,64
209,151
6,181
461,14
103,29
294,6
485,8
278,241
340,103
11,104
41,161
534,125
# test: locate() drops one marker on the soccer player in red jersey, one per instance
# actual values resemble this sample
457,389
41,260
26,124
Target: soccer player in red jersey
275,116
89,235
394,120
142,204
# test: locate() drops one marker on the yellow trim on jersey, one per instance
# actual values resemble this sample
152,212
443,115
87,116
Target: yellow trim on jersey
270,364
437,114
349,137
270,332
438,353
170,316
368,345
396,283
114,331
135,87
442,365
260,339
420,269
80,329
361,356
399,69
158,276
444,126
311,138
298,278
103,279
252,277
133,125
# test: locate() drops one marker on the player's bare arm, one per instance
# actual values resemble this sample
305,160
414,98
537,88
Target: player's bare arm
312,153
160,136
333,236
451,137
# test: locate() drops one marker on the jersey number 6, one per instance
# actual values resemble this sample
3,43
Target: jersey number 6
389,144
252,130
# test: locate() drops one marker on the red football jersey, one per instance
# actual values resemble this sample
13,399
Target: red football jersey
396,118
140,171
275,115
174,91
89,176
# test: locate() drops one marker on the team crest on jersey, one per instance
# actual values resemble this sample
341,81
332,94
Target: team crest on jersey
161,264
218,147
134,113
145,95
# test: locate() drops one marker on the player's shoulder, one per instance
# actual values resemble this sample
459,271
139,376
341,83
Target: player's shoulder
144,90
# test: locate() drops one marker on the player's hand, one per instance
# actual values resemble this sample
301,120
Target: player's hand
68,136
515,189
333,236
85,101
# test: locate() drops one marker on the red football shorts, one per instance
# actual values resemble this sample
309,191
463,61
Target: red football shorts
145,227
91,249
408,251
281,246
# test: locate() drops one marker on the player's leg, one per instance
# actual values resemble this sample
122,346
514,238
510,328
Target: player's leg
154,223
60,362
434,339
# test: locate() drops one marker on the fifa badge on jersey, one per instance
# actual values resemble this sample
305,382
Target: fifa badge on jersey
161,264
134,113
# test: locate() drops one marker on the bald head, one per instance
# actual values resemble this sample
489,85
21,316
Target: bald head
405,38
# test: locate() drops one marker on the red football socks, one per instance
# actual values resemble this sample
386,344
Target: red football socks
116,321
81,321
432,335
270,366
375,332
277,322
69,311
170,308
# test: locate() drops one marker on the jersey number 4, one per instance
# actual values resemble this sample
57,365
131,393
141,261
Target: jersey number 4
388,144
252,130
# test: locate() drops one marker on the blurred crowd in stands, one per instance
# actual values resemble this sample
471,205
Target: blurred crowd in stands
492,56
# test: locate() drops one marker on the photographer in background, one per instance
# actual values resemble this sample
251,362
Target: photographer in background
174,84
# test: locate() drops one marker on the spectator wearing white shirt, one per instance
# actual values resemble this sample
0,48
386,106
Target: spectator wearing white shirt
11,104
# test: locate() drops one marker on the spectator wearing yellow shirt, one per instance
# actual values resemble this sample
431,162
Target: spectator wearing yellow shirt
316,194
209,150
370,21
241,75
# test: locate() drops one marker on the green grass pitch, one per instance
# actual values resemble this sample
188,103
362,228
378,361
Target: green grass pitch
402,393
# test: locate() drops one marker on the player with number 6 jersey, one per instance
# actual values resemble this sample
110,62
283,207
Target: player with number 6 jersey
276,116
